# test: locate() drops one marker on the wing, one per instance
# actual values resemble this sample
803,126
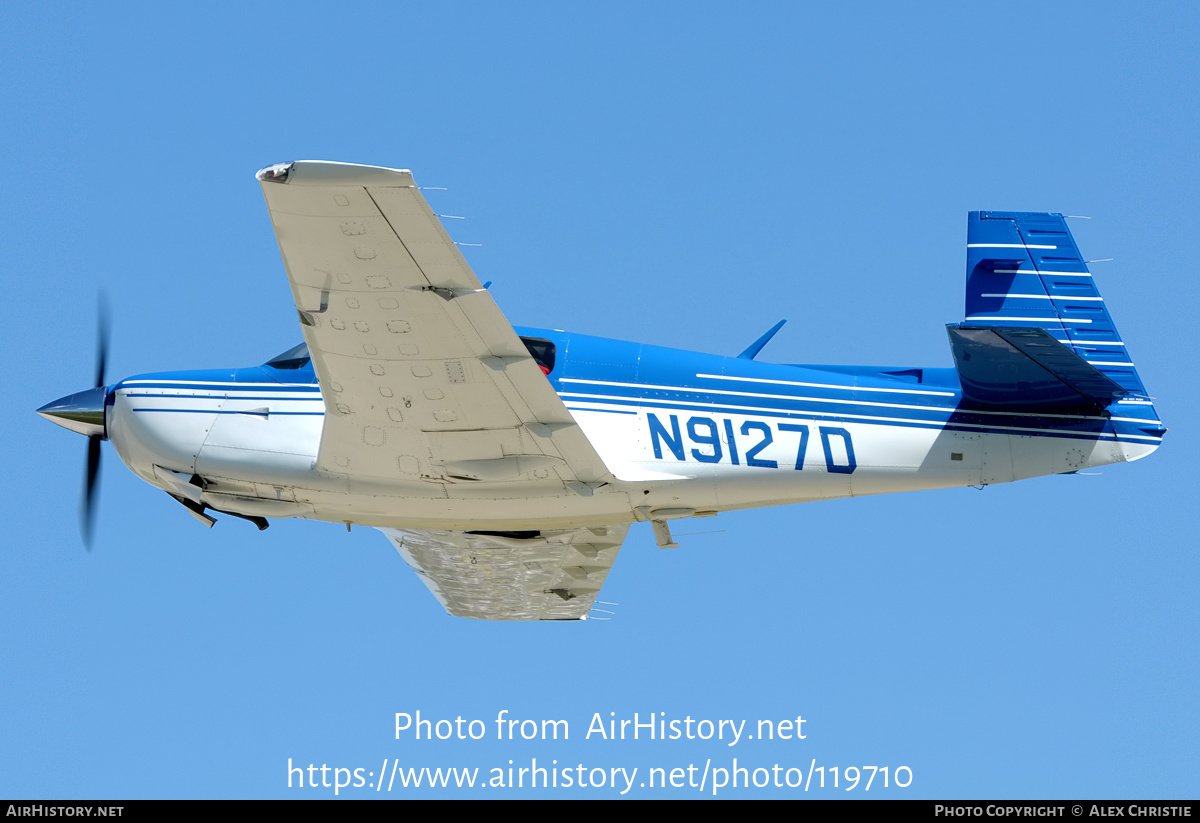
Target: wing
422,375
544,575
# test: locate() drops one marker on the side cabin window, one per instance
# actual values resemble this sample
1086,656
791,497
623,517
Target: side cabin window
294,358
543,352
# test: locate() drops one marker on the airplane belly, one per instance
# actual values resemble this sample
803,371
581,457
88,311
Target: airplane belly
427,506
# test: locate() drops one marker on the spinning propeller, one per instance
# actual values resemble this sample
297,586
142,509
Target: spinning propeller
83,412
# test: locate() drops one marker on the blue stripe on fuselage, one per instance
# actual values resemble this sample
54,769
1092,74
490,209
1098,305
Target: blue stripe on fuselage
233,381
623,375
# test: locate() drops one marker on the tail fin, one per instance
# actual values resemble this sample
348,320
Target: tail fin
1025,274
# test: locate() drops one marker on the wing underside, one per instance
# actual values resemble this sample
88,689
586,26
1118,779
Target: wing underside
427,386
535,575
423,376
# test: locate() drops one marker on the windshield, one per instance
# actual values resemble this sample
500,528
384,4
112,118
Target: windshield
294,358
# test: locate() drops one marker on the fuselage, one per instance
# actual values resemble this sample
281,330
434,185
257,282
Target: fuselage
683,432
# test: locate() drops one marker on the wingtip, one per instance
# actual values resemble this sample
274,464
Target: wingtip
332,173
277,173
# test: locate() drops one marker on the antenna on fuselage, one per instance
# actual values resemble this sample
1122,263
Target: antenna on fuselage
754,348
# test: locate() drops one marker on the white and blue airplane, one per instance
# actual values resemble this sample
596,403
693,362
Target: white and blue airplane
506,465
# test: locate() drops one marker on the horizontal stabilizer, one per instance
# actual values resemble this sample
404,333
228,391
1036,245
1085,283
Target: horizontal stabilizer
1026,368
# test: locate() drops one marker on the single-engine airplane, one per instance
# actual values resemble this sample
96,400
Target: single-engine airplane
507,465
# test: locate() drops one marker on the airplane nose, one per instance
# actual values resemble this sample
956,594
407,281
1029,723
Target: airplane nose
82,412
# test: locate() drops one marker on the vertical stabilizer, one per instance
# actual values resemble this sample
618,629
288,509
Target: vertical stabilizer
1025,271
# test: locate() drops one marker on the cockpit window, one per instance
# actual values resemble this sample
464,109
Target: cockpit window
543,352
294,358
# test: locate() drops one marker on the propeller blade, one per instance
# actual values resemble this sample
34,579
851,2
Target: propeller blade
87,508
101,338
87,513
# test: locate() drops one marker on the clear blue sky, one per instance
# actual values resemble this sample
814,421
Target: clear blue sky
683,174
